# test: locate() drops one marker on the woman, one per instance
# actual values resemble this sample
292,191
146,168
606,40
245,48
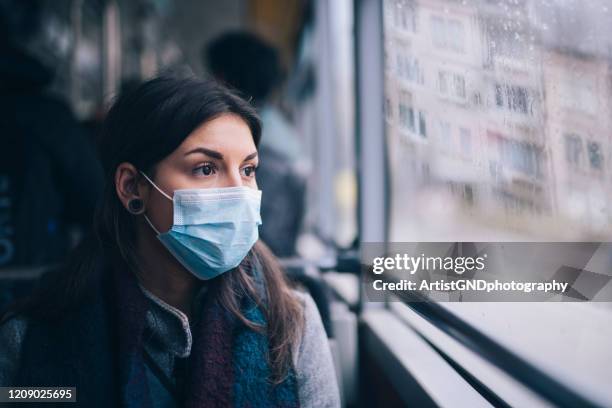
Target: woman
174,302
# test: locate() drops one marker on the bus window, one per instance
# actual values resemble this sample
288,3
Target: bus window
497,122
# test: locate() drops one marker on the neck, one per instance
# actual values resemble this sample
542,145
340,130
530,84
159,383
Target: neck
162,275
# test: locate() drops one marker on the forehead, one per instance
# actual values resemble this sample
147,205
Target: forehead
225,132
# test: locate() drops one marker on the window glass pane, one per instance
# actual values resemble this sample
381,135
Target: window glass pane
594,155
520,114
516,98
422,125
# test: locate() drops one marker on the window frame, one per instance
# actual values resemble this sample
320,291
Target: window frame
374,215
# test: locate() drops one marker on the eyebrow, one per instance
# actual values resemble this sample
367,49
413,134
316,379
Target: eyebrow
208,152
250,156
215,154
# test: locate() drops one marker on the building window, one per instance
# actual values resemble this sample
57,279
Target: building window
406,117
521,157
573,149
404,17
410,118
517,99
459,86
406,112
450,84
499,96
595,157
513,98
422,125
448,34
408,68
388,108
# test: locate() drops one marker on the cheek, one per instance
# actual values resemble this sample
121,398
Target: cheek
253,183
160,212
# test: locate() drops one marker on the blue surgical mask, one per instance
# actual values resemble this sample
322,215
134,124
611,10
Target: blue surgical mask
213,228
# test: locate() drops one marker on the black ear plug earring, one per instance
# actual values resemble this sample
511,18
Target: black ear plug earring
136,206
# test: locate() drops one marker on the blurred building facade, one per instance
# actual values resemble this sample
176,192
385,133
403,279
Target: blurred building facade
504,123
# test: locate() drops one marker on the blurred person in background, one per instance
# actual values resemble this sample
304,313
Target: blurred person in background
173,301
247,63
50,177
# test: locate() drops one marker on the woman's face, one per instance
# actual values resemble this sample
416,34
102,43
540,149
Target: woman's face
219,153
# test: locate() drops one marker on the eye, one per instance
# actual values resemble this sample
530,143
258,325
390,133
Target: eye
205,170
249,171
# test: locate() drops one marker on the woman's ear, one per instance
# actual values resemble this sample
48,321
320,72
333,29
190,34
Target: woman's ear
130,188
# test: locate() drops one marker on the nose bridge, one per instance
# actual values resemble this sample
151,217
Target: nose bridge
233,177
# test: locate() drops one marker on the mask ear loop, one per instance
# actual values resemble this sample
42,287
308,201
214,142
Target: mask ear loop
150,223
162,193
155,185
